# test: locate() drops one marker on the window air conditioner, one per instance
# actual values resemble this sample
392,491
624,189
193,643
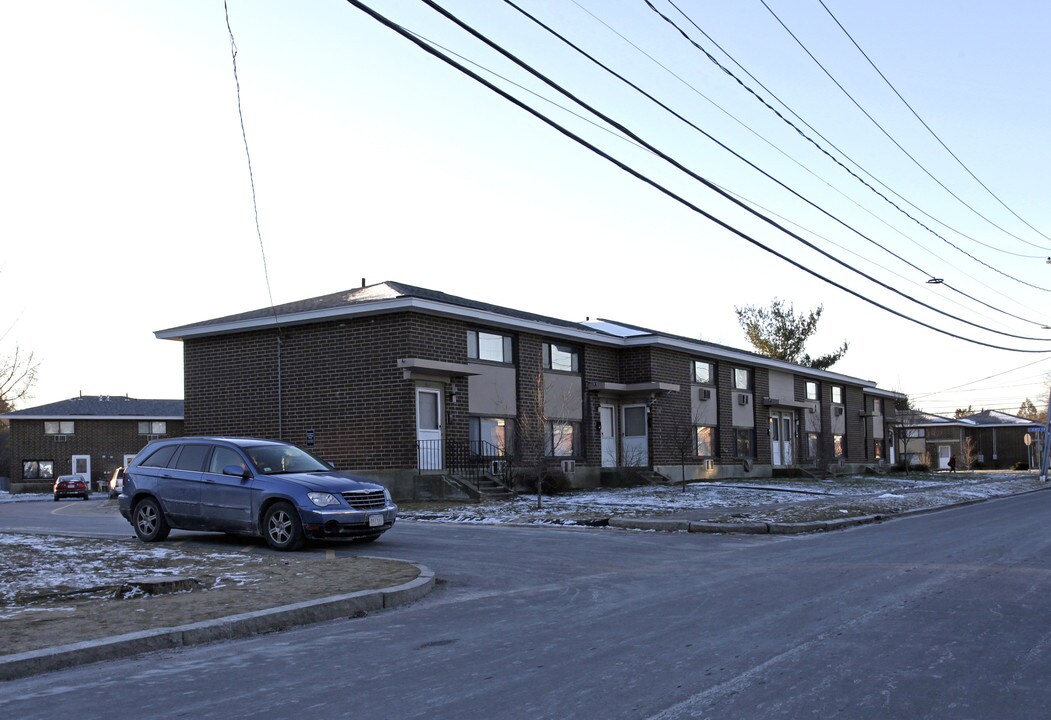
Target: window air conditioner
839,411
62,438
498,467
705,394
569,467
709,465
742,399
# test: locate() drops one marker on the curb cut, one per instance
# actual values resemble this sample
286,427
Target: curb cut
334,607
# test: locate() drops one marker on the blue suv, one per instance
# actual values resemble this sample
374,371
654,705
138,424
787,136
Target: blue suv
250,487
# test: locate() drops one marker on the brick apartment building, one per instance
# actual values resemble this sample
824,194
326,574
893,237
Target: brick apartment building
402,383
90,435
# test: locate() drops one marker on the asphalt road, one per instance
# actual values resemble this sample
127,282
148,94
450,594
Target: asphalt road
937,616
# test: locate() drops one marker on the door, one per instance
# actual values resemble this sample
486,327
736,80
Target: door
82,466
608,421
635,440
429,428
226,500
782,438
944,451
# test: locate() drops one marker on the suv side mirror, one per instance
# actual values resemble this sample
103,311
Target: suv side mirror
237,471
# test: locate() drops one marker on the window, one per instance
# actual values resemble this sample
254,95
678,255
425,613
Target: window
837,394
561,357
152,427
811,390
562,438
38,469
813,445
192,457
705,441
58,427
160,457
742,379
839,447
915,432
877,406
489,436
745,440
489,346
224,456
877,450
703,372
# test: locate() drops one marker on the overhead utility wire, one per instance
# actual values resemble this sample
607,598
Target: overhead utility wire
890,137
704,181
834,159
924,123
817,132
652,183
745,160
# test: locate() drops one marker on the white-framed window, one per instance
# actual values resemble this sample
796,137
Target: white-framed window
58,427
915,432
494,347
837,394
742,379
813,445
562,438
877,406
811,390
38,469
703,372
153,427
561,357
705,441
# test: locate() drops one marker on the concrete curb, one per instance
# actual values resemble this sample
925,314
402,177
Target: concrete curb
334,607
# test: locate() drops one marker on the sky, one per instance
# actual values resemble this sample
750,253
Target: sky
127,205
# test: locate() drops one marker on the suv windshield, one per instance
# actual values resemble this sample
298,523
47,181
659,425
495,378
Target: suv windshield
275,459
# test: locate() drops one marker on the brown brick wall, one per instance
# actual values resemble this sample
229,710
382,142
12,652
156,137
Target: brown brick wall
106,441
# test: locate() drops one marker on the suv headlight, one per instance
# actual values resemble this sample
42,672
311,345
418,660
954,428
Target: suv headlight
323,499
387,497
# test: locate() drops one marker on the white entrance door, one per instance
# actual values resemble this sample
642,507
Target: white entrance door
944,451
429,428
635,440
82,466
608,421
782,438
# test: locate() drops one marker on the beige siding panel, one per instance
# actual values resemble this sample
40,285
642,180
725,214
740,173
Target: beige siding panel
492,392
563,396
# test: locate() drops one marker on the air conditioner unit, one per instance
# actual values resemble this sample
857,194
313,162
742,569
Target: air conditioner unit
704,394
742,399
62,438
499,467
709,465
569,467
839,411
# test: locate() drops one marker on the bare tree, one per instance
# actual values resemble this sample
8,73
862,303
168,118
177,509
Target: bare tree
544,435
968,453
17,376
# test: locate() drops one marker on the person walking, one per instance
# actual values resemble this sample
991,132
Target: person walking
952,463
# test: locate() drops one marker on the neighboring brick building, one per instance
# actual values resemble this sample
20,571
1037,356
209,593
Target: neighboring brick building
399,382
994,439
91,435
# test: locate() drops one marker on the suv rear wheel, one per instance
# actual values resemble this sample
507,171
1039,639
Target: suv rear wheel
149,521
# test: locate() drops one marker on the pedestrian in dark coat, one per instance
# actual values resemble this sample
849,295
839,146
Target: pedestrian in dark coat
952,463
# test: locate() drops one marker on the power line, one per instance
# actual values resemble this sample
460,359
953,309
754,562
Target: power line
884,130
412,37
737,155
924,123
834,159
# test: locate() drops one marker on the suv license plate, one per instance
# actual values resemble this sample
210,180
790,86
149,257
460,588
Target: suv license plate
375,520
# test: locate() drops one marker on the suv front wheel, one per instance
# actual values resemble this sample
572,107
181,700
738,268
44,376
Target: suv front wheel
282,527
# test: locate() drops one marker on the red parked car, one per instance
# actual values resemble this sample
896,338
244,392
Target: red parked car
72,486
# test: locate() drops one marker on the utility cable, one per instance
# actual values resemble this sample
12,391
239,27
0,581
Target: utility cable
704,181
836,160
890,137
649,181
924,123
740,157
